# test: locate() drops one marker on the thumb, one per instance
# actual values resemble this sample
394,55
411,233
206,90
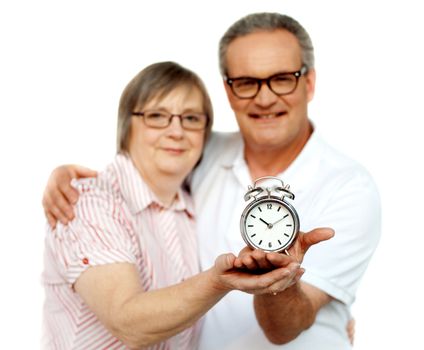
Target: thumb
317,235
225,262
81,172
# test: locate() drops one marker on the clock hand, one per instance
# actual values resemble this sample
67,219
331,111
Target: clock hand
264,221
268,225
280,219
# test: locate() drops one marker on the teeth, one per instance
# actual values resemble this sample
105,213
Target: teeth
265,116
268,116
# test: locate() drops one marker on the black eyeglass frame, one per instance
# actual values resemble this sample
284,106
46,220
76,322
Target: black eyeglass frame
170,116
297,74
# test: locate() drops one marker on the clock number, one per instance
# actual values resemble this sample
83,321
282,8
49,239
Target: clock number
269,206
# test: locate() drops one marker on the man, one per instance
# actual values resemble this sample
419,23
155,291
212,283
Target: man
267,64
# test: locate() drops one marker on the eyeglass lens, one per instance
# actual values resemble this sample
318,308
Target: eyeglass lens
189,121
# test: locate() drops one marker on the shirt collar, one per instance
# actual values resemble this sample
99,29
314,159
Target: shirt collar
137,193
304,168
297,175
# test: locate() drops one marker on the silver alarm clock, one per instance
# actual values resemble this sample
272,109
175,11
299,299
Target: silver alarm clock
269,222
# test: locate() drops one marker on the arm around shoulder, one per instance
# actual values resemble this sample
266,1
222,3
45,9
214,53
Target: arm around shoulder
59,195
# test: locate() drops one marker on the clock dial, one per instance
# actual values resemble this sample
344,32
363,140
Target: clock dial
270,225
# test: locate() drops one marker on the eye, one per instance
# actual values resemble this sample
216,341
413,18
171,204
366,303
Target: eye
192,118
155,115
244,83
283,79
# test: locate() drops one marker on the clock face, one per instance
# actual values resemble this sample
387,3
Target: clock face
269,224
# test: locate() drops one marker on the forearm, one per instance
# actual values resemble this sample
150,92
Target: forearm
113,292
150,317
284,316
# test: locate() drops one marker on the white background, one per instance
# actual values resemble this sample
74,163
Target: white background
64,64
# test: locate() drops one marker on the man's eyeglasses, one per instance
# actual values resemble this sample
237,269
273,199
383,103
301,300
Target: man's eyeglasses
280,84
161,119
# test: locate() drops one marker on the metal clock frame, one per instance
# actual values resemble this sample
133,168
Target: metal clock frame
255,192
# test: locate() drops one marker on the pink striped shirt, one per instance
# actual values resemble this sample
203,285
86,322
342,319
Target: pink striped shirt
118,219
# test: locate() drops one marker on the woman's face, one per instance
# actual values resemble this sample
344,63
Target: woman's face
171,151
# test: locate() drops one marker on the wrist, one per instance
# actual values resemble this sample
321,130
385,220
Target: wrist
216,282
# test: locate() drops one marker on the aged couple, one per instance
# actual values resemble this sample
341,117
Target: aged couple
137,254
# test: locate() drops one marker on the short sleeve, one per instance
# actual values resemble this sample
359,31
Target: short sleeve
98,235
353,211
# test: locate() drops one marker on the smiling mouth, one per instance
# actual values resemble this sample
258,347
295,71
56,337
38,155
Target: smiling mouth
174,150
267,115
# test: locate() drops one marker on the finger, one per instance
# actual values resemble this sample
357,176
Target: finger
279,286
298,275
261,260
51,210
249,262
317,235
57,203
51,220
225,262
81,171
67,196
295,272
245,250
238,263
279,260
58,215
279,277
351,330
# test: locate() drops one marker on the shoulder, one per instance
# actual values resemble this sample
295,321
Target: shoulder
337,188
220,141
99,193
221,146
221,149
339,169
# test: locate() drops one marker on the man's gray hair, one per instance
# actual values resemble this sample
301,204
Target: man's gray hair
266,22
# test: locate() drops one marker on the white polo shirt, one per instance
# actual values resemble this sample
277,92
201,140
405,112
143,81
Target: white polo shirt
331,191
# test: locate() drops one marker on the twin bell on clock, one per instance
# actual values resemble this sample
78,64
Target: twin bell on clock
269,222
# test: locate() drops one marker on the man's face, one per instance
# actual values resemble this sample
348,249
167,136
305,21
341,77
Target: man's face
268,121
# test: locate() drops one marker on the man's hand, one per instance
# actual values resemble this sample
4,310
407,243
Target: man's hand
350,328
257,261
59,195
306,240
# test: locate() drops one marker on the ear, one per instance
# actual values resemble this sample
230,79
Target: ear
310,84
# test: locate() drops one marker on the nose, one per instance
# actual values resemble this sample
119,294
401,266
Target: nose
265,97
175,128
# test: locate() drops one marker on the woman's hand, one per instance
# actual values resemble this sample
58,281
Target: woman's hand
232,273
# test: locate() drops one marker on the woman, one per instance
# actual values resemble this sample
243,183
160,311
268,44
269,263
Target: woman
124,272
